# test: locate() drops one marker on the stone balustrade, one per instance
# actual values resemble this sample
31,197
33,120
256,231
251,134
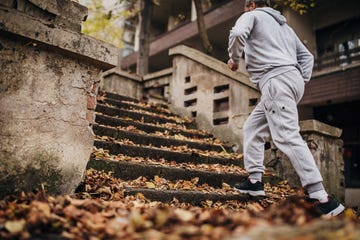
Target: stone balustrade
48,84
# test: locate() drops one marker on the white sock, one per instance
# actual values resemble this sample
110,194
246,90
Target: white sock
253,181
255,177
321,195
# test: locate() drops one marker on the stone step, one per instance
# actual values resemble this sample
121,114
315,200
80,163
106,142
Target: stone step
156,141
157,153
148,118
118,97
141,106
193,197
132,170
115,121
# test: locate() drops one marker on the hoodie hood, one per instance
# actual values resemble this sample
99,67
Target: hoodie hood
275,14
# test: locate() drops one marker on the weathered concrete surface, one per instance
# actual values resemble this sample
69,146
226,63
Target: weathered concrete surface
120,82
352,197
48,85
63,13
219,94
326,147
61,39
156,86
44,134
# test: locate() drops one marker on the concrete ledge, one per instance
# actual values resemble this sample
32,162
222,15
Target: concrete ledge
118,71
161,73
54,37
70,10
316,126
212,63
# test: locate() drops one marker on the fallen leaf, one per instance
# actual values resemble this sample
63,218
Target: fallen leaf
15,226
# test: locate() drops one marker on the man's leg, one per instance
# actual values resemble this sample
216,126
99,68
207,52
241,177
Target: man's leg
283,94
255,131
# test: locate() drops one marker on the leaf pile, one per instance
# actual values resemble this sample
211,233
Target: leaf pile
102,212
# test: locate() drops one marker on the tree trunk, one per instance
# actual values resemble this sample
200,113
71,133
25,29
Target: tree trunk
142,66
202,29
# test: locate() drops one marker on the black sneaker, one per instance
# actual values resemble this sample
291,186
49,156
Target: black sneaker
330,208
253,189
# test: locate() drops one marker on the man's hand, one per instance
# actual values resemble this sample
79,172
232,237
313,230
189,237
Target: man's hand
233,66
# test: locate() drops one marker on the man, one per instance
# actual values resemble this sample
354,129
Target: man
280,65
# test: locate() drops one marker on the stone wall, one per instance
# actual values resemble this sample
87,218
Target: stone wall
48,84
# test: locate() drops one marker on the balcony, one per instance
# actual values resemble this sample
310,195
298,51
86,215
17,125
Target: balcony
338,60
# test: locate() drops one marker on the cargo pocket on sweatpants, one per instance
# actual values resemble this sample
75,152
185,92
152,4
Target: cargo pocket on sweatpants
288,118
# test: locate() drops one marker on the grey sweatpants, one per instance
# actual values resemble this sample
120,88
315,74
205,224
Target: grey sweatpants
277,114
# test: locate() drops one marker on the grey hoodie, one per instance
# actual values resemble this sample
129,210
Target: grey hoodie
270,46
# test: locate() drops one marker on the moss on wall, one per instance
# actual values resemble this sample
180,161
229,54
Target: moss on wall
40,169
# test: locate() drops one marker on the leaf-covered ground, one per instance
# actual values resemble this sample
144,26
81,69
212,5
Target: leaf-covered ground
103,212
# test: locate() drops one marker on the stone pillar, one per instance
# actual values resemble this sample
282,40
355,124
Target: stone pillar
120,82
48,83
326,146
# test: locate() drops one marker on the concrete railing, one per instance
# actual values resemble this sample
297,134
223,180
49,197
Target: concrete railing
153,87
156,86
205,89
120,82
49,79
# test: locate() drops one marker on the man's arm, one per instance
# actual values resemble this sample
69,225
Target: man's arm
238,37
305,60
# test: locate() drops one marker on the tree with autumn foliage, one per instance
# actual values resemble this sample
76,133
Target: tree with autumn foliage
104,23
300,6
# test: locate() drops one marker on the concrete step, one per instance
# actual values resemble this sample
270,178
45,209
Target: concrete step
118,97
149,128
193,197
141,106
141,116
147,155
156,141
157,153
132,170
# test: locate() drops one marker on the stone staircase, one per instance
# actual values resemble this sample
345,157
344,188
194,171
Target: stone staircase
140,140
